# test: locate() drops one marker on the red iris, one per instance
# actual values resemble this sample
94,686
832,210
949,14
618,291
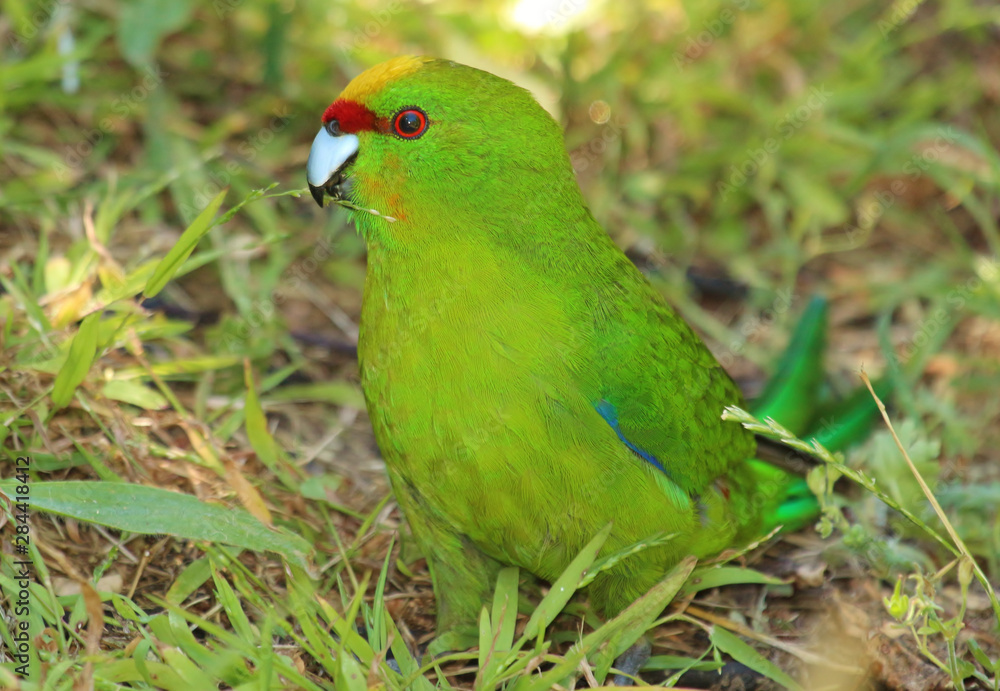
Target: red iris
409,123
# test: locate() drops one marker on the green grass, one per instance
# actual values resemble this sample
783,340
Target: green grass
177,329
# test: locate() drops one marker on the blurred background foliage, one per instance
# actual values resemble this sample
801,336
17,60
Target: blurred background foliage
745,153
756,136
848,148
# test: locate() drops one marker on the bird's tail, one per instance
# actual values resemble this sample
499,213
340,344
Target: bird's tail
797,399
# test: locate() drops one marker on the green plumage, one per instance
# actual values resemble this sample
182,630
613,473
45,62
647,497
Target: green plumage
499,320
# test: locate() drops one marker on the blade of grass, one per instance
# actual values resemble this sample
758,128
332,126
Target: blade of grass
718,576
620,633
741,652
82,351
179,253
564,587
952,533
151,510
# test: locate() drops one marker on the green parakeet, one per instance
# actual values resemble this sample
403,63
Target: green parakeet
526,384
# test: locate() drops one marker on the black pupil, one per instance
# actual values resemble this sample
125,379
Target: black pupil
409,122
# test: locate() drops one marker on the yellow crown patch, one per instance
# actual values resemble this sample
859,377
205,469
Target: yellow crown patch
374,79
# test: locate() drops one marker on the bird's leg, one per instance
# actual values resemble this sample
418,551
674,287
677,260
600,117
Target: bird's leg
631,661
464,578
463,575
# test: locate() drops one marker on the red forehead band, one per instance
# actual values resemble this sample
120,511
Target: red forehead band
350,116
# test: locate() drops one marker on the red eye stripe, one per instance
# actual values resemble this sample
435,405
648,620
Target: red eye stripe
351,116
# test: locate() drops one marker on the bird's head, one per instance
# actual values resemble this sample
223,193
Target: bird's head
418,137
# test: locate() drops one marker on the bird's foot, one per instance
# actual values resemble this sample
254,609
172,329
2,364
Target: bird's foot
630,662
456,640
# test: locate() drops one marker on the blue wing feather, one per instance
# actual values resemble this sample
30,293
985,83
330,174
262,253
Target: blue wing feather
607,411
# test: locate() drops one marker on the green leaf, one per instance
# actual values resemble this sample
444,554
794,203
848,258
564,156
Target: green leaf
82,351
991,666
731,644
140,669
320,487
485,636
715,577
151,510
334,630
232,606
192,676
628,627
181,367
564,587
333,392
965,669
256,423
813,198
663,662
351,677
128,610
504,616
408,667
378,636
129,286
609,561
179,253
47,462
619,633
496,628
189,580
135,393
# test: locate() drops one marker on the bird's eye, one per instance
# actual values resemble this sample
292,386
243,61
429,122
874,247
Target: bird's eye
409,123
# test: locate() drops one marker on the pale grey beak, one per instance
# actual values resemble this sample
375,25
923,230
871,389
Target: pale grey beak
329,157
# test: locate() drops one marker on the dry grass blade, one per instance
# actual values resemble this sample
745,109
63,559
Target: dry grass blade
956,538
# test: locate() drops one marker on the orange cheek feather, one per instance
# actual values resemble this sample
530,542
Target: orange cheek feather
389,183
396,207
